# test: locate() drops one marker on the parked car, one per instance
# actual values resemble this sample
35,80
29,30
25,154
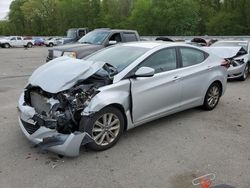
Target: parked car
200,41
164,39
74,34
38,41
53,41
70,102
239,54
16,41
92,42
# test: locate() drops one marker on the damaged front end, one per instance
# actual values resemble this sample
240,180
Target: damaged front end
51,120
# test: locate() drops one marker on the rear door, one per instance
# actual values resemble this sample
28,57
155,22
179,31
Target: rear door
19,41
154,96
195,75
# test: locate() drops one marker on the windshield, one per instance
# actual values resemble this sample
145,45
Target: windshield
231,44
94,37
71,33
118,56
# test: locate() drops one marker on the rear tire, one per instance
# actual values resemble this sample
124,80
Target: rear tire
29,45
105,127
246,73
51,45
212,96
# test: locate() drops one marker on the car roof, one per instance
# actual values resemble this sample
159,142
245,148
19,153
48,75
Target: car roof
154,44
114,30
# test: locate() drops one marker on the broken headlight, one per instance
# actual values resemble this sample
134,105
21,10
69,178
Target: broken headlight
70,54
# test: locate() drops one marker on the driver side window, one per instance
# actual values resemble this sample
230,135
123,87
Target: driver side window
161,61
116,37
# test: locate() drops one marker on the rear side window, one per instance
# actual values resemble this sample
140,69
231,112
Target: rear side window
129,37
191,56
81,33
161,61
116,37
19,38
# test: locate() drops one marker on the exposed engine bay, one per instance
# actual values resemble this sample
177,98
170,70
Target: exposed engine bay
62,111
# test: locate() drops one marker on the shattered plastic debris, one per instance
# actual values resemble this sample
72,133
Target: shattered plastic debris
54,162
54,165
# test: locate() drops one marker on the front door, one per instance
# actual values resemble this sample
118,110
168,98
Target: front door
157,95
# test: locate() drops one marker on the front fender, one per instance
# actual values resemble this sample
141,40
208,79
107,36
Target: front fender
118,93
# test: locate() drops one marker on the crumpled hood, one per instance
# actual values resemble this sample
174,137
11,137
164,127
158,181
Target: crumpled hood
224,52
62,73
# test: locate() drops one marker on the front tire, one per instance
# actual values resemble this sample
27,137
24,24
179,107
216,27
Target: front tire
51,44
212,96
6,45
105,127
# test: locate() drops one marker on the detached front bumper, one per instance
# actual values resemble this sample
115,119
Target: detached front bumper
49,139
236,72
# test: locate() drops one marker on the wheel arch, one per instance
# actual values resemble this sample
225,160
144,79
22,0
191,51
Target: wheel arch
220,84
122,110
7,43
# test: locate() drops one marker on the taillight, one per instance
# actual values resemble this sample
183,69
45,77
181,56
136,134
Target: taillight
225,63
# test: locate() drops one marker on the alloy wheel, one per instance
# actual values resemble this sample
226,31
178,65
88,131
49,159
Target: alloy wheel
213,96
6,45
106,129
246,71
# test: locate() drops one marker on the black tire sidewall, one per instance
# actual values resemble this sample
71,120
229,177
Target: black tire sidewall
206,106
87,123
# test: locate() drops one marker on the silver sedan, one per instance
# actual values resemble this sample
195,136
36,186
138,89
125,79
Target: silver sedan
69,102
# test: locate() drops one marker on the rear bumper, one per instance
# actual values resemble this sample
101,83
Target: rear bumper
49,139
236,72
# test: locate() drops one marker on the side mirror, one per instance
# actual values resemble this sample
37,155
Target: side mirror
112,42
145,72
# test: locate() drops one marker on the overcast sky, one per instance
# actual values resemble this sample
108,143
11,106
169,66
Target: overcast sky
4,8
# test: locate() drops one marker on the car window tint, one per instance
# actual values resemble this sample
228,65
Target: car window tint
81,33
19,38
116,37
129,37
191,56
164,60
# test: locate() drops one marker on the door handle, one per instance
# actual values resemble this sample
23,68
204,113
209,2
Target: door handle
176,78
209,68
